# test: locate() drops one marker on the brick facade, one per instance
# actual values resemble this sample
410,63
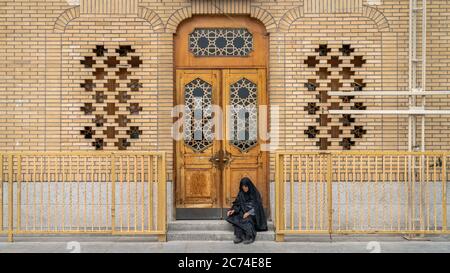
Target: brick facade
44,43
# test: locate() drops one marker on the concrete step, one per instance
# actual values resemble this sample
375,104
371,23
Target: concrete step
208,230
205,225
181,225
213,235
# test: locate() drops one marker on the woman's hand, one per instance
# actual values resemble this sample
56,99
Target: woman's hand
246,215
230,212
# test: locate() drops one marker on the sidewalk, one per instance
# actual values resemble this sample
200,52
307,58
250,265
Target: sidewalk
359,245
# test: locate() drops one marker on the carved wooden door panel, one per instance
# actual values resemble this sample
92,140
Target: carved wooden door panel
198,180
220,144
244,91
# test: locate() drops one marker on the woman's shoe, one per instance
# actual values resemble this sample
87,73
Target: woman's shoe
237,240
249,241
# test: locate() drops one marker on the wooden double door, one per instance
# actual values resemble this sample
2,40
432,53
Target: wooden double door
220,140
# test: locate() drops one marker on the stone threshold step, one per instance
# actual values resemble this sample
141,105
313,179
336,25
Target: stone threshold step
197,225
212,235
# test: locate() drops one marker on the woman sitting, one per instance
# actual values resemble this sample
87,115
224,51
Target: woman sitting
247,213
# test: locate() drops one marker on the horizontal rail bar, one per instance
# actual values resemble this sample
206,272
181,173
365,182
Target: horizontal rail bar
388,93
392,112
81,153
299,232
418,153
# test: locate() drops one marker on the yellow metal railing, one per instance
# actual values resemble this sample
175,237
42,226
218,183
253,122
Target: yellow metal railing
361,192
83,192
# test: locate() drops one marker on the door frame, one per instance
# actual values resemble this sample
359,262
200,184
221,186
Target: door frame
257,59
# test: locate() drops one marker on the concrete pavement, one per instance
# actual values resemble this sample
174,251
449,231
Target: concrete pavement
366,244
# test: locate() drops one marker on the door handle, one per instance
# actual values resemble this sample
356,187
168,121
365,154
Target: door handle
221,159
227,158
215,160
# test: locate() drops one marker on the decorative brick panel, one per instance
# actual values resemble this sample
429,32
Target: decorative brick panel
116,91
221,6
332,6
109,6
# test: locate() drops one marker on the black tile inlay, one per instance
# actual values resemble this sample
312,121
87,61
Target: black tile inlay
346,50
346,99
323,50
87,108
99,120
122,144
134,132
99,144
123,50
358,85
312,132
346,120
87,132
312,108
347,143
134,85
312,85
88,62
358,131
100,97
358,106
134,108
100,50
88,85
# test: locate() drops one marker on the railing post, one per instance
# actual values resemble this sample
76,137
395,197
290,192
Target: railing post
1,193
330,192
444,193
19,191
162,202
10,199
113,193
279,198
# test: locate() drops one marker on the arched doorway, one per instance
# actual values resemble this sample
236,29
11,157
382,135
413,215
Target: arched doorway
221,71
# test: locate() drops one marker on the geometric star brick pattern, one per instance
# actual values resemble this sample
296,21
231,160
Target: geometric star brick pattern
112,85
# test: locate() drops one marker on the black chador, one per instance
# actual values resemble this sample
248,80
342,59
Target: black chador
248,203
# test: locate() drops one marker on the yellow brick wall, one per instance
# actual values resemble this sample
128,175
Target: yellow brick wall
78,41
302,39
43,41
